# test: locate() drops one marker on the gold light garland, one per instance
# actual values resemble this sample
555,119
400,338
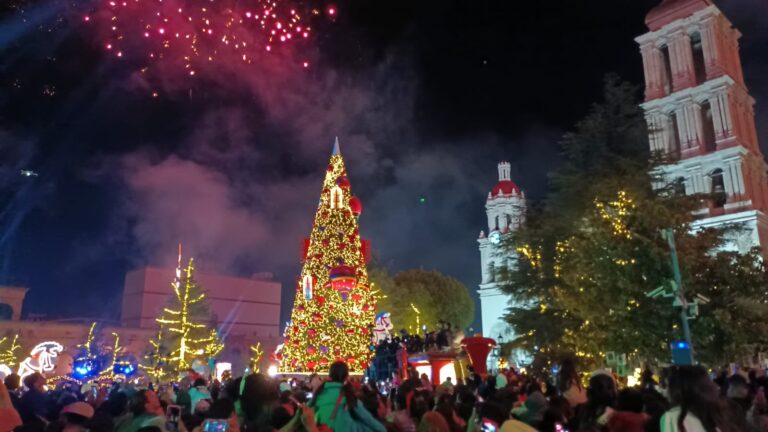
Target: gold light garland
256,356
194,341
331,319
8,355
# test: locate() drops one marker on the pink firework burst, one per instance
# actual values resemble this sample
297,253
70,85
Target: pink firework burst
193,33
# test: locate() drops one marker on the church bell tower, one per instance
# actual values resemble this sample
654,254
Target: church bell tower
700,116
505,208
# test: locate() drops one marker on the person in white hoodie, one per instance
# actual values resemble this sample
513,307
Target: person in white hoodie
696,403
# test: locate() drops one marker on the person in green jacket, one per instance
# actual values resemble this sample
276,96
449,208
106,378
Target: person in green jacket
145,411
182,396
337,407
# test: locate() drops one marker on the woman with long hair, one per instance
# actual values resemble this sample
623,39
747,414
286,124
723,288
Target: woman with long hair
696,403
569,385
258,400
336,405
601,399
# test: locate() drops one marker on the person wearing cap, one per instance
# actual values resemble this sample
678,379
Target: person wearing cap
75,417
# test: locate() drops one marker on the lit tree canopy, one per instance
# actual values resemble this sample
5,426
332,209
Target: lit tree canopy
592,250
435,296
334,308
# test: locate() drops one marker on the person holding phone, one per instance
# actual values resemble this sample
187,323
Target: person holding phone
221,417
336,406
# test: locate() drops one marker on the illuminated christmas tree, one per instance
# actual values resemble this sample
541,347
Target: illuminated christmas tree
334,308
183,335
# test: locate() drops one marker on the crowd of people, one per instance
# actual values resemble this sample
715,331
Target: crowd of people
682,398
389,352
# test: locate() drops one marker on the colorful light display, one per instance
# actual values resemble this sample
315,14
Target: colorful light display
192,33
41,358
87,363
335,321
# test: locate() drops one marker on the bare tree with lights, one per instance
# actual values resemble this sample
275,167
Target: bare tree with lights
184,333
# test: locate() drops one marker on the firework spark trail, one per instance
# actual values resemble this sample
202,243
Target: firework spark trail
193,33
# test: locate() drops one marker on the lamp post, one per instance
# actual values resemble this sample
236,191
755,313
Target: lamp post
679,293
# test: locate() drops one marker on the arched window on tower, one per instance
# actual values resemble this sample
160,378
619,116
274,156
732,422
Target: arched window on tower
719,197
666,72
708,128
698,58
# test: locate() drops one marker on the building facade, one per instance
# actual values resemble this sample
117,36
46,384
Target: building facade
245,311
700,116
505,208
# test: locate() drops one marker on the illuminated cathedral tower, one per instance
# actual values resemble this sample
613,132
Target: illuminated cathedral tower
505,207
700,115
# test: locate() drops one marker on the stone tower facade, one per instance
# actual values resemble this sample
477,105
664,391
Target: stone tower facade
700,115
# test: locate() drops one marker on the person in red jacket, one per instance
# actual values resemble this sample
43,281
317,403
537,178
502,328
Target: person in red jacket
629,415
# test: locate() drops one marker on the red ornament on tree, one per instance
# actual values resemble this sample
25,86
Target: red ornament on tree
355,206
343,182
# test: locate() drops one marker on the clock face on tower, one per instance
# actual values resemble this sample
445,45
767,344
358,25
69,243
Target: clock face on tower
494,237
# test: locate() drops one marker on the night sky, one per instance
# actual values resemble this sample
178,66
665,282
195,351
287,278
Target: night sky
425,96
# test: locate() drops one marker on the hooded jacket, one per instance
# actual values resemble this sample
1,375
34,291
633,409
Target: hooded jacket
325,403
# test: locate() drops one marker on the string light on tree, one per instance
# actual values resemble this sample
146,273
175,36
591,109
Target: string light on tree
617,213
182,327
156,358
87,362
256,355
8,351
334,308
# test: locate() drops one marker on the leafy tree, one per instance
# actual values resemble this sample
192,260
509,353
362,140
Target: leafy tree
592,249
435,296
